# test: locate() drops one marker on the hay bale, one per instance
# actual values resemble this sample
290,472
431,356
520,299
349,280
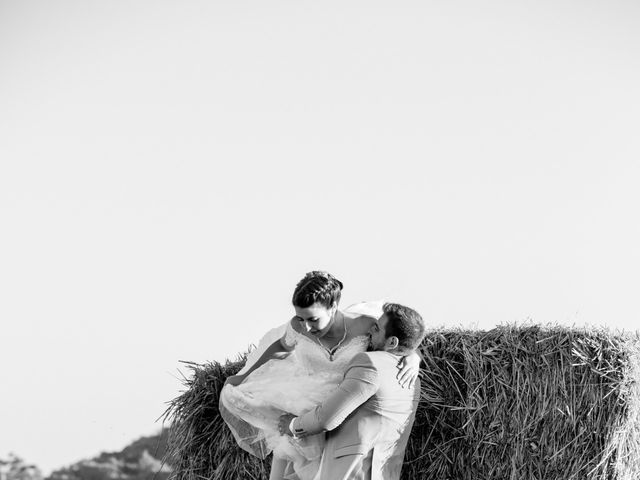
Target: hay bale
514,402
201,447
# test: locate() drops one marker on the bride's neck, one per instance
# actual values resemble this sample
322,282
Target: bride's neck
337,327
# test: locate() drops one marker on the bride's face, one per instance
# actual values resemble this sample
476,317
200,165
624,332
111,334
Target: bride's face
315,319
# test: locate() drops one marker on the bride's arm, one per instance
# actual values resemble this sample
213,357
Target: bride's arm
277,350
409,369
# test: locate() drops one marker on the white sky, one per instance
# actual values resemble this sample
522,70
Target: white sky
169,170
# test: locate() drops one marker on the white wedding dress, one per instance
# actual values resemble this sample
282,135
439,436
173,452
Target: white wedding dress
295,384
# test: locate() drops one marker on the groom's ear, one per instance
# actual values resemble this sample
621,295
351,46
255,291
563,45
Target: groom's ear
392,343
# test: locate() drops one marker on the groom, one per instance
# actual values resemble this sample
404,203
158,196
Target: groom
369,416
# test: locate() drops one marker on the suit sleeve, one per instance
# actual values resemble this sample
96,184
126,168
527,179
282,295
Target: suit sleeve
359,384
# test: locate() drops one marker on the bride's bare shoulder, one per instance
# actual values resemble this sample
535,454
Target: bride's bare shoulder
360,324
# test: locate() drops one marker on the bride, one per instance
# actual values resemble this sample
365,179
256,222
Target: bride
294,368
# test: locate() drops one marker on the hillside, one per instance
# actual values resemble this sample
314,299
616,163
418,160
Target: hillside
141,460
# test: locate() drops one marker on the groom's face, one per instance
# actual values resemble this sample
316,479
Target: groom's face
378,334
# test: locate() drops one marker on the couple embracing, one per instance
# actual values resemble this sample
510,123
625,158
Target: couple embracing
332,393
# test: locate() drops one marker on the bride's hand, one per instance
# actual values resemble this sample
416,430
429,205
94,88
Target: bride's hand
409,368
235,380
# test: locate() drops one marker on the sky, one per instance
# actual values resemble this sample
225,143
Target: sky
170,170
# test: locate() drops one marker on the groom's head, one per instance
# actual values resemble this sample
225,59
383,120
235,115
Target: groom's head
399,330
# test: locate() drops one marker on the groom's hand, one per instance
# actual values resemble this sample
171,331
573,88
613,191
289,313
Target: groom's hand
283,424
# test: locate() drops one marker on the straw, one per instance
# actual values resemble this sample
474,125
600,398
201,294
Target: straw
515,402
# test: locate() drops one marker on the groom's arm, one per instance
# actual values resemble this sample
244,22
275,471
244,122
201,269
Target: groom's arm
359,384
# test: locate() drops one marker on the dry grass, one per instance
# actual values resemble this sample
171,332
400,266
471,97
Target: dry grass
201,446
511,403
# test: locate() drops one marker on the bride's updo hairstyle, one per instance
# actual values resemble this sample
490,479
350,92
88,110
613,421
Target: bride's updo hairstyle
317,287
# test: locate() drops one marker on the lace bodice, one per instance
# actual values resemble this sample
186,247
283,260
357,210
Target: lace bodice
316,360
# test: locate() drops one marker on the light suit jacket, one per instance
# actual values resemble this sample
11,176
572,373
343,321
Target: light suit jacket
368,419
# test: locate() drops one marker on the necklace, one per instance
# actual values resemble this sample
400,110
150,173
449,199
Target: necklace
332,351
